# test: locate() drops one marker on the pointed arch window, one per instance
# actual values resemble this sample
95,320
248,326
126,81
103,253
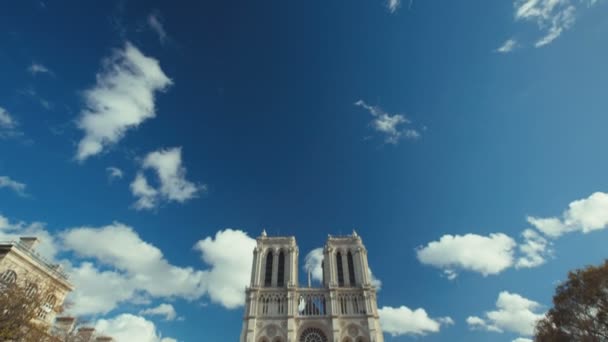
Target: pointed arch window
281,270
340,269
268,272
351,269
323,270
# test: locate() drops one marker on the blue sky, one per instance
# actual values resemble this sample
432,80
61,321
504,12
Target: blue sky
462,140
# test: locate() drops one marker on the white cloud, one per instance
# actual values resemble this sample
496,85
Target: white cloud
167,164
521,339
7,182
8,125
553,17
230,256
312,264
111,265
314,259
513,313
484,254
393,5
137,266
98,291
6,120
147,195
37,68
114,172
404,321
127,327
155,23
389,125
534,250
584,215
164,309
12,231
508,46
122,99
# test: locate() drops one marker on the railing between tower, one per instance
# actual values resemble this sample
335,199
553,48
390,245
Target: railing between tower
310,302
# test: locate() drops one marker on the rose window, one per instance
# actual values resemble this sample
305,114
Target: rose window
313,335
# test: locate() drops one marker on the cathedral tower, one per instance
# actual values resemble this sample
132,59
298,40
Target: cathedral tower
343,309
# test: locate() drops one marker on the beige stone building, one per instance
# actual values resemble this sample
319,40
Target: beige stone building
21,265
343,309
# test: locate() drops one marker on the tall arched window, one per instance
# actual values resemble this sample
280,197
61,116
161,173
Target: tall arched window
8,277
268,272
281,274
31,290
351,269
340,269
323,270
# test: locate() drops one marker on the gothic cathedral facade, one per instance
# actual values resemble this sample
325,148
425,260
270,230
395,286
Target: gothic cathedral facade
343,309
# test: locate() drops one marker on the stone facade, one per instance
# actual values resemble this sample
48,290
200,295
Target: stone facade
343,309
21,265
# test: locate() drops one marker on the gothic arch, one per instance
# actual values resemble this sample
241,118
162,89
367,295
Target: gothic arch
281,269
340,267
268,269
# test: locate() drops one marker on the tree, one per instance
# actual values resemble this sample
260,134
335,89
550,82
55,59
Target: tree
580,308
23,308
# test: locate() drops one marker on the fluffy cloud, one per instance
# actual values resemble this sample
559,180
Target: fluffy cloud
389,125
585,215
484,254
167,164
313,261
7,182
98,291
37,68
404,321
230,256
136,266
12,231
111,265
114,172
164,309
146,194
312,264
553,17
127,327
533,250
508,46
122,99
513,313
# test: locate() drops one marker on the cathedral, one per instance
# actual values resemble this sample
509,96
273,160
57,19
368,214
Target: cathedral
342,309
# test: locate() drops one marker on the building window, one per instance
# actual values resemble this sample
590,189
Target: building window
323,270
268,273
49,305
281,275
31,290
340,269
8,277
351,269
